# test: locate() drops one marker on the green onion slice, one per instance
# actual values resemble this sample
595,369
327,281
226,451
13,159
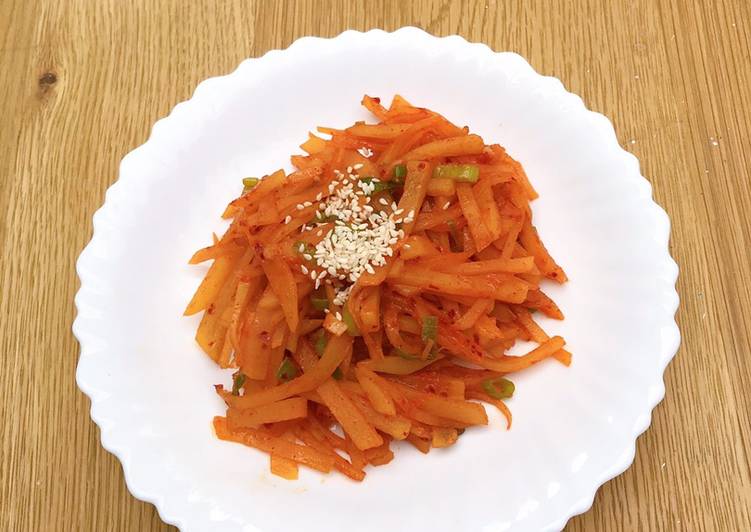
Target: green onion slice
498,388
381,186
287,370
467,173
250,182
349,321
320,342
237,382
400,171
429,328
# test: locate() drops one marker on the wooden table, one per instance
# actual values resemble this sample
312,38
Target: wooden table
81,83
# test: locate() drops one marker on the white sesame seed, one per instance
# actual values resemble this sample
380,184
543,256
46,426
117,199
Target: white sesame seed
304,269
365,152
383,201
319,196
349,169
301,247
300,206
287,219
357,166
338,315
308,257
446,205
313,275
307,204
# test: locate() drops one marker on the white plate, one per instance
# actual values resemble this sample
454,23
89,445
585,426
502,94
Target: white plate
574,428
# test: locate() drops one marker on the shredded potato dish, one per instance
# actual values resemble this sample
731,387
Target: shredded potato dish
371,295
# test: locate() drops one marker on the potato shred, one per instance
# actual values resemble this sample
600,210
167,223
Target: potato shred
371,295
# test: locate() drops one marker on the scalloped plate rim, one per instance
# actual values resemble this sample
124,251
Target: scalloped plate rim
172,515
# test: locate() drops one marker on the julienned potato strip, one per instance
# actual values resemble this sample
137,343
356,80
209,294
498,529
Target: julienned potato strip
377,289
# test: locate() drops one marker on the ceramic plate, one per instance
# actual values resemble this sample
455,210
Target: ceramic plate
574,428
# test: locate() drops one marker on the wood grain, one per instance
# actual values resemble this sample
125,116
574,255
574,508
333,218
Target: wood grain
81,82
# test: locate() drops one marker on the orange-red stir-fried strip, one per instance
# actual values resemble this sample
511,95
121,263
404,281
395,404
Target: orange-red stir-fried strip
377,289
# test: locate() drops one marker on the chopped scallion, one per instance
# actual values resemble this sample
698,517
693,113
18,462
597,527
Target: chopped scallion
468,173
349,321
381,186
287,370
429,328
237,382
400,171
320,342
250,182
498,388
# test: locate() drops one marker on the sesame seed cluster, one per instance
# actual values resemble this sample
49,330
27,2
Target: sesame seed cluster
362,238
